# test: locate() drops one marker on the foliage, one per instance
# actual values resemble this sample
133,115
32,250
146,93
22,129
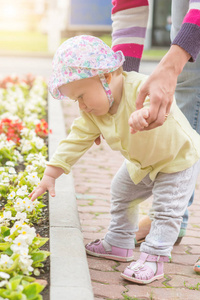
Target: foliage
23,153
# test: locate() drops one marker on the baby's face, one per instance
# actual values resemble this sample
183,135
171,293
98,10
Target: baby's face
89,93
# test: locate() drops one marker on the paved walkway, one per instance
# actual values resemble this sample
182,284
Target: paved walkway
92,177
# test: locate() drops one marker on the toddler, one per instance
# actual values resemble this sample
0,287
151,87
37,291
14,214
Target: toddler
163,161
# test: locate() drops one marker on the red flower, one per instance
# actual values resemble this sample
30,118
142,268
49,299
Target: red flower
12,129
41,129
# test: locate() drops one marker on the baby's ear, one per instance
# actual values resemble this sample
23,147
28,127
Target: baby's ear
108,77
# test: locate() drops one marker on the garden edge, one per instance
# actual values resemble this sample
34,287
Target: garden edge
69,271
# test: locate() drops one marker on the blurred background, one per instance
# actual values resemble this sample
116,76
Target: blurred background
39,26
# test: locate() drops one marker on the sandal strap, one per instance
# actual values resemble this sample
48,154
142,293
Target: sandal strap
154,258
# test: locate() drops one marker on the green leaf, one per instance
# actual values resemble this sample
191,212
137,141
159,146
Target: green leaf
39,242
15,281
12,295
14,265
6,233
39,297
8,252
4,246
4,229
39,256
32,290
28,279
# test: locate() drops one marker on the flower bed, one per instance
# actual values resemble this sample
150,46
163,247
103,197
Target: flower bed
23,153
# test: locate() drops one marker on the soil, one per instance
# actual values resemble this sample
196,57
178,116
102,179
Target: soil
42,228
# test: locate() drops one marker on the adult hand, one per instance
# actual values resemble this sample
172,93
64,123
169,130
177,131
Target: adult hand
160,86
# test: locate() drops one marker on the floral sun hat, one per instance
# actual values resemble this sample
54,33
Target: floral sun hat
80,57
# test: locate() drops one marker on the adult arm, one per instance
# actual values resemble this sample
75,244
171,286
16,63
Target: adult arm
129,22
161,84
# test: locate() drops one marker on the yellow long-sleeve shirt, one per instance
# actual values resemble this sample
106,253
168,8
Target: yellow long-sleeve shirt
170,148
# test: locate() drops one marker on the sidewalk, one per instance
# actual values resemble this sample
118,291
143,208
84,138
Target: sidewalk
92,177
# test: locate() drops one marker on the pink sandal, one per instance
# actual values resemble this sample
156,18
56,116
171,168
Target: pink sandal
197,266
97,249
140,273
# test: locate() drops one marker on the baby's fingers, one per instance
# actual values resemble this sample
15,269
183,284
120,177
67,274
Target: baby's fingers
137,120
36,193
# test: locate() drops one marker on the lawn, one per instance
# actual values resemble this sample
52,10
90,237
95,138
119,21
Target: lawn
36,42
25,41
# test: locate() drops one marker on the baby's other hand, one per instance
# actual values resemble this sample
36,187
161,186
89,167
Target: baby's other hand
47,184
137,120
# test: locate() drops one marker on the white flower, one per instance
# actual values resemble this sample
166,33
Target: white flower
19,249
24,252
10,144
3,137
25,264
10,164
5,181
7,215
26,146
12,171
39,143
28,233
30,168
4,275
22,191
6,261
29,204
21,216
18,155
3,283
20,175
16,225
33,178
35,202
19,244
11,195
19,205
25,132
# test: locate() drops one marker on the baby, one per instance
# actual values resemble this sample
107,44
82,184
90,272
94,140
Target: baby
163,162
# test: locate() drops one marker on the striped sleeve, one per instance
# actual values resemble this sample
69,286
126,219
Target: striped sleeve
128,30
189,35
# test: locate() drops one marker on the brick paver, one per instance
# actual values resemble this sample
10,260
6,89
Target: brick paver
92,176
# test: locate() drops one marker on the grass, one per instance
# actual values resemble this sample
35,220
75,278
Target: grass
195,287
32,41
24,41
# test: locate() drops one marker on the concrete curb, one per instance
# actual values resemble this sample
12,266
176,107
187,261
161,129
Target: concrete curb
69,272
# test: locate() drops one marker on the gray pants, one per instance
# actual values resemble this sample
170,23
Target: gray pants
171,193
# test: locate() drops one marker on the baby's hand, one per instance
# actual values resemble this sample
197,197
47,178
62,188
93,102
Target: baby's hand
137,120
47,184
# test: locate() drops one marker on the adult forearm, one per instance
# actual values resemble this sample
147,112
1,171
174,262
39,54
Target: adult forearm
175,60
188,36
